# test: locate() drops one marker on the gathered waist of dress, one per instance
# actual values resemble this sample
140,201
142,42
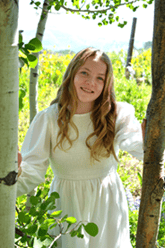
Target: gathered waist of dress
84,175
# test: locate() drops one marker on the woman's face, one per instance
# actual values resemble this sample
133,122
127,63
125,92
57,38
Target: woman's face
89,82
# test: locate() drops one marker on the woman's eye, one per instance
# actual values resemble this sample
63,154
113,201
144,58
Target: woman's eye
100,78
84,72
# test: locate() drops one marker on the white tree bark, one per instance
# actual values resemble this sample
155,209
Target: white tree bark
33,87
33,91
8,119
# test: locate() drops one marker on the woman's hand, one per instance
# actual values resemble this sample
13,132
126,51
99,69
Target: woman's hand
19,162
143,126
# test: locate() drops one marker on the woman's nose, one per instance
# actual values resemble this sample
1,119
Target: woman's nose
91,81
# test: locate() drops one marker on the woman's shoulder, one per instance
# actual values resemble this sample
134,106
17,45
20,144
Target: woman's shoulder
52,110
48,113
124,108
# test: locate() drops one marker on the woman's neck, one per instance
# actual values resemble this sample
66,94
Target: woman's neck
83,108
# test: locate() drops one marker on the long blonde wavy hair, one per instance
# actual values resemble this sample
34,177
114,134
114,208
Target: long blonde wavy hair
103,113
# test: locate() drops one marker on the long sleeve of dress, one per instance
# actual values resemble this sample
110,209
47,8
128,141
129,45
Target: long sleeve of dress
35,154
128,131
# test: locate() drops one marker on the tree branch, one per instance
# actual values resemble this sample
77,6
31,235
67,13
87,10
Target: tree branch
20,233
57,237
97,11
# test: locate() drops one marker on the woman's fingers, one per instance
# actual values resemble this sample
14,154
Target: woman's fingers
19,159
143,126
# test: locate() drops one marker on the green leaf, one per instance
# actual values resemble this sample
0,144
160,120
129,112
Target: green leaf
100,24
38,193
42,231
24,50
73,233
79,234
31,229
41,220
135,8
63,218
33,199
87,6
44,205
30,47
71,220
20,36
20,45
105,22
55,195
140,178
49,7
37,44
21,199
145,6
50,206
30,242
56,213
24,217
121,25
37,3
54,225
32,60
24,238
33,211
91,229
22,94
49,222
57,7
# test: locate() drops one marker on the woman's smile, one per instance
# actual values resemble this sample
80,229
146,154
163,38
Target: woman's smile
87,90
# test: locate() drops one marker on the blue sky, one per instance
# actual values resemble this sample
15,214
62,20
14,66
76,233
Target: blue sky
63,30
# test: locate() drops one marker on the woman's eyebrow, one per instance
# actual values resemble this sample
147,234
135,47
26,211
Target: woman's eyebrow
89,70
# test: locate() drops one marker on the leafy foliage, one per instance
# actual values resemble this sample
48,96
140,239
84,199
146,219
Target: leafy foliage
26,51
32,228
105,11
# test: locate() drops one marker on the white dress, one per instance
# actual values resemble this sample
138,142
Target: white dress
88,192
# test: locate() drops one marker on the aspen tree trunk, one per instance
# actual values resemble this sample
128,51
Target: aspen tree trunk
154,144
33,87
33,91
130,48
8,119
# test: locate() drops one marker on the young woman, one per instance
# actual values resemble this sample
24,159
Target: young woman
80,135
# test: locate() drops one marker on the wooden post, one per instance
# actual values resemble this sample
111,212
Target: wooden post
130,48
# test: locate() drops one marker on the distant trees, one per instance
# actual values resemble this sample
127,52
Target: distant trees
147,45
